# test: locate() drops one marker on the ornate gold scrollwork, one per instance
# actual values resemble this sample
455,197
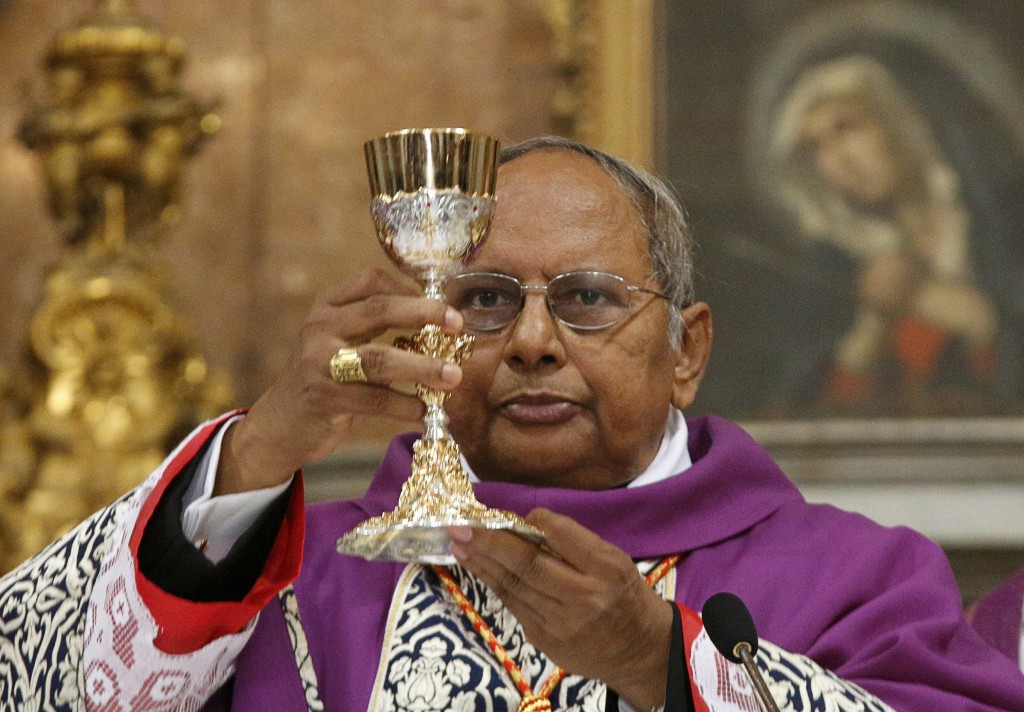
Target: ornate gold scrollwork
115,375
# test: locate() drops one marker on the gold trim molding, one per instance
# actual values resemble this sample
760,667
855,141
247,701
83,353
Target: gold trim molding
605,50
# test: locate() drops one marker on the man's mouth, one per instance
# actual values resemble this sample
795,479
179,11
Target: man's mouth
539,409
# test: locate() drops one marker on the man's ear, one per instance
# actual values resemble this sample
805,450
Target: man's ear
692,354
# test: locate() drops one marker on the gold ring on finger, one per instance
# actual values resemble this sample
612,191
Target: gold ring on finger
347,367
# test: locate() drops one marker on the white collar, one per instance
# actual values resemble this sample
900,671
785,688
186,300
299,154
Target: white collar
673,456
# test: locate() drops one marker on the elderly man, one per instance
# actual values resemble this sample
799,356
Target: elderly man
589,346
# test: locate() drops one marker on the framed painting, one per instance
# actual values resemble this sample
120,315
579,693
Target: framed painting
854,175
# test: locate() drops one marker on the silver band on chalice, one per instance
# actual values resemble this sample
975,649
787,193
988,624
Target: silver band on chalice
347,367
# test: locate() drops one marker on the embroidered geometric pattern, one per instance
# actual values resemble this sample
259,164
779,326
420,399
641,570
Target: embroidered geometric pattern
722,685
435,660
729,691
42,617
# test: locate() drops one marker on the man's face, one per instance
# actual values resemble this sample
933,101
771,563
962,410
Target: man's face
539,402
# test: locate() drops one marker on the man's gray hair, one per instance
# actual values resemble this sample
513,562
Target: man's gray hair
669,240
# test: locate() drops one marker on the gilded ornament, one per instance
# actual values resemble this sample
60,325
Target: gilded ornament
115,375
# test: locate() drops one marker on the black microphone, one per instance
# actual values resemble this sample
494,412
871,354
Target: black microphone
731,629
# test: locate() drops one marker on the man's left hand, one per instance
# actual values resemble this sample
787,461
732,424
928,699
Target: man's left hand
580,600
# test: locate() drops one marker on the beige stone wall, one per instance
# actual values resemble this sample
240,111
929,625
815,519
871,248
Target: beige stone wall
276,205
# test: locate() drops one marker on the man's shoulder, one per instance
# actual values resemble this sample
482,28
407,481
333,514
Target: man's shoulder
849,537
824,515
821,524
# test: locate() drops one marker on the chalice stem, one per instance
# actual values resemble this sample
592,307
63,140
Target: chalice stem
435,422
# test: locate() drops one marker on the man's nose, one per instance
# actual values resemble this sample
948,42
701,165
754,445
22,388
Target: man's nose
534,340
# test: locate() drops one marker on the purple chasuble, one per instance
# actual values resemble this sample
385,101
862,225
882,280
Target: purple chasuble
877,606
997,616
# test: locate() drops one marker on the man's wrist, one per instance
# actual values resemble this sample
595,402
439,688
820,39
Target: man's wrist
647,693
241,467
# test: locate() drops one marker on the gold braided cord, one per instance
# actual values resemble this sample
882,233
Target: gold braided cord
481,627
664,566
534,703
541,700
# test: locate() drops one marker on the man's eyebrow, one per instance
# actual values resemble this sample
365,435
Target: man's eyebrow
474,269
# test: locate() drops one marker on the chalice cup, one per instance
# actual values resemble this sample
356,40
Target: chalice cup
433,198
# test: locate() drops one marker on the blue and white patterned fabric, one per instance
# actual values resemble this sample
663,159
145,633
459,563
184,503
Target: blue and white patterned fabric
297,637
433,659
43,606
798,683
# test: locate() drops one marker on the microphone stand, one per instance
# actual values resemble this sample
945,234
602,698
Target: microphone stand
743,652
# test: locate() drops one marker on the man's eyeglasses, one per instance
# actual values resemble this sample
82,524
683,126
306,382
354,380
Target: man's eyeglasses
580,300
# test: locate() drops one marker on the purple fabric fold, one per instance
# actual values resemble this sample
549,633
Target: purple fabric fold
997,616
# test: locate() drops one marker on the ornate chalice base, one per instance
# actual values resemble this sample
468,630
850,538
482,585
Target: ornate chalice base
436,496
438,493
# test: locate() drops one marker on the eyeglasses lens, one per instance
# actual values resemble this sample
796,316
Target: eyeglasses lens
588,300
487,301
583,300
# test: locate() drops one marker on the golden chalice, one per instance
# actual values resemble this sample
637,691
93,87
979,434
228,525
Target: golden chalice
433,198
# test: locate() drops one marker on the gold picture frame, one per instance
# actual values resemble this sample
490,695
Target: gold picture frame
607,52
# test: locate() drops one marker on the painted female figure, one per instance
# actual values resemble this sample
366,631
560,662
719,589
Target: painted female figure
936,320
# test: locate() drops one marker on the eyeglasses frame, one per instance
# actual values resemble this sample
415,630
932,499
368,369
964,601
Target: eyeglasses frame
525,288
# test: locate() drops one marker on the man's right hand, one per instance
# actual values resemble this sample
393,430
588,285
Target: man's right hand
305,414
